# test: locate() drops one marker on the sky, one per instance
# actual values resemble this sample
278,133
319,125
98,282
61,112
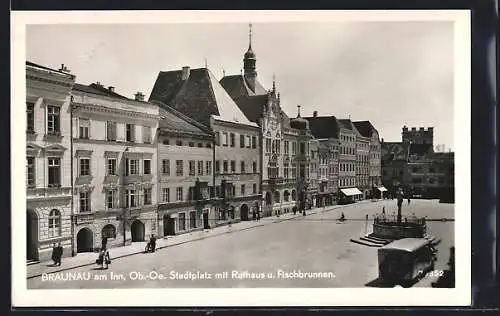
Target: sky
390,73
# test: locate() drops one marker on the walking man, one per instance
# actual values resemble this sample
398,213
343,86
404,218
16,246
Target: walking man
152,241
57,253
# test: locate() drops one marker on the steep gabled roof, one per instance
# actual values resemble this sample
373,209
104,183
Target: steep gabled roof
365,128
252,106
200,96
323,126
236,86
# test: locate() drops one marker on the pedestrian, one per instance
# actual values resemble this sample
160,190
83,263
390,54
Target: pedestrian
258,215
58,254
152,241
104,242
254,216
53,257
104,258
408,201
383,210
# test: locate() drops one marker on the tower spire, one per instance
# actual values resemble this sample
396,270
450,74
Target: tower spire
298,110
250,36
274,82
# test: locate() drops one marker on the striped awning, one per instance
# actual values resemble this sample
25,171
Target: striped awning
351,191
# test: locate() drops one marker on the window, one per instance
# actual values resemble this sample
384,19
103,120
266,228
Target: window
249,141
110,199
84,125
147,166
192,219
200,145
178,143
242,167
254,142
179,194
217,166
286,147
130,132
268,145
110,131
182,221
146,134
84,201
224,139
166,195
166,141
232,139
111,167
54,223
191,168
224,166
109,231
30,172
179,168
217,139
233,166
191,144
131,198
147,196
294,148
254,188
132,167
242,191
165,167
254,167
53,120
54,172
30,117
200,168
242,141
209,168
208,145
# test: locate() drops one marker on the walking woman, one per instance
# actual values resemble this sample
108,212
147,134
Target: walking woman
104,260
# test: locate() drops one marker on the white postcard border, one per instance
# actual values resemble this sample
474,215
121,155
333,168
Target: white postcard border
461,295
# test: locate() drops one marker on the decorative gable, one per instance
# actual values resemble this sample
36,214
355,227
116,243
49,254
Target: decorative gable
55,149
33,149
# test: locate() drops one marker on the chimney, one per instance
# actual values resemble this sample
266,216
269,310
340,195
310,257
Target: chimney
139,96
111,88
98,84
185,72
315,114
64,69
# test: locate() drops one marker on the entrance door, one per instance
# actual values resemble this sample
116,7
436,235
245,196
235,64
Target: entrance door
244,212
31,235
137,230
168,225
206,225
84,240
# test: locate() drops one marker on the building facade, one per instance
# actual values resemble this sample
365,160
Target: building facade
185,174
114,167
347,162
48,161
413,165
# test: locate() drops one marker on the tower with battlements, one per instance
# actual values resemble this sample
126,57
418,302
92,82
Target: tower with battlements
418,136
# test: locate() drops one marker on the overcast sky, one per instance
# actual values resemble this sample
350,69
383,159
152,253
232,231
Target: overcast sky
391,73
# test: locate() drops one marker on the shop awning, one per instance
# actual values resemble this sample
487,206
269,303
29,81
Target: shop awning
351,191
382,189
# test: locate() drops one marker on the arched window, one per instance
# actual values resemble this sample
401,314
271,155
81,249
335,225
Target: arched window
286,196
268,198
54,223
276,196
109,231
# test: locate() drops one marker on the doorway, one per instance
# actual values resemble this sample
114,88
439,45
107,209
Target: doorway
31,236
206,224
138,231
168,225
84,240
244,212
